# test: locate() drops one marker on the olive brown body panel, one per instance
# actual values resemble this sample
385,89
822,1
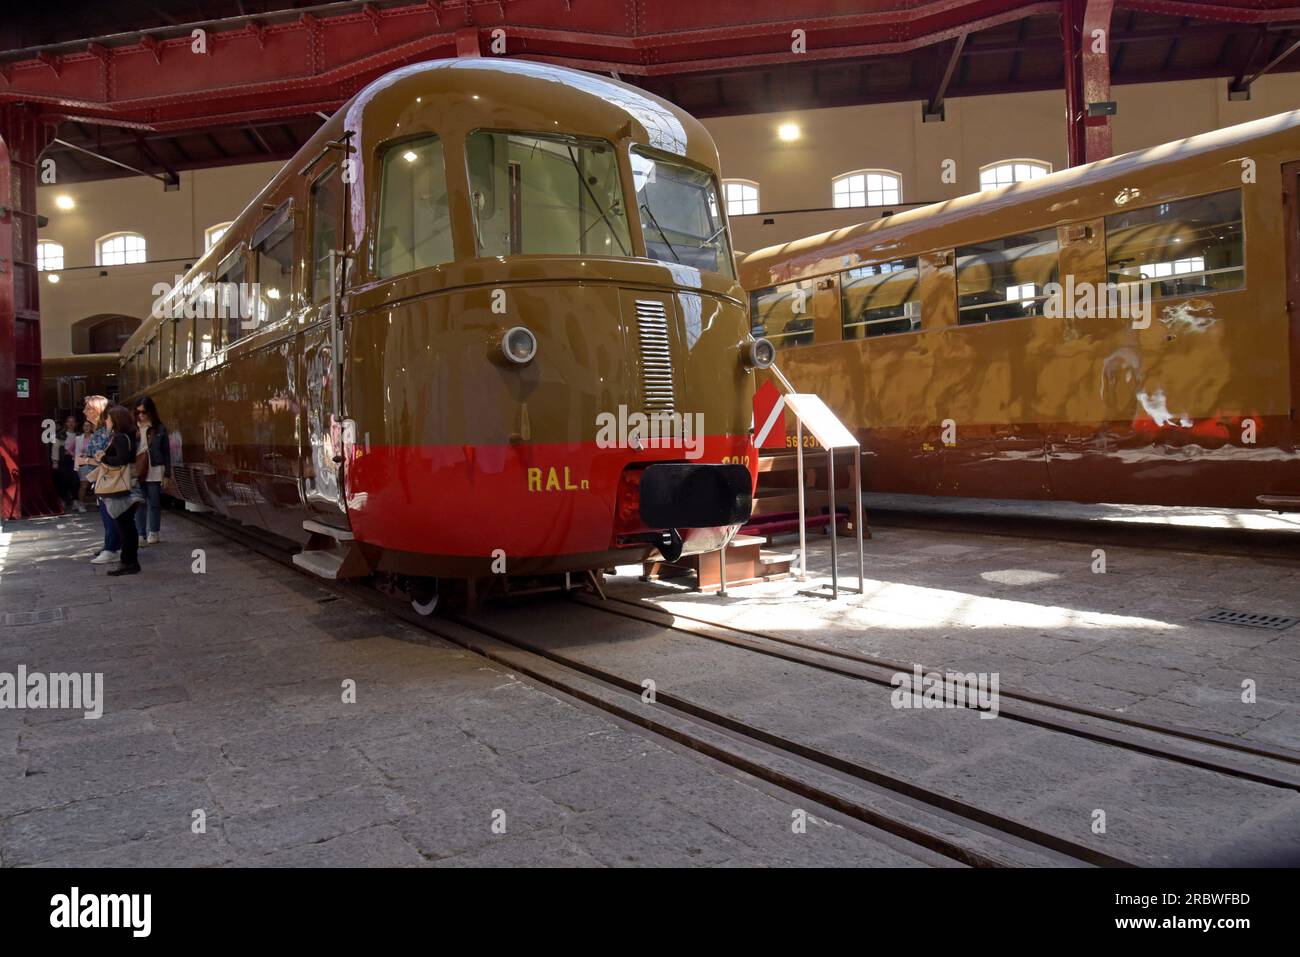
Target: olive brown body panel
372,390
931,333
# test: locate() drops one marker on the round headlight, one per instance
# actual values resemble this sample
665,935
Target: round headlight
761,353
519,345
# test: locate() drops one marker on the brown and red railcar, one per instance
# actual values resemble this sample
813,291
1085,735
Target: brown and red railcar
462,291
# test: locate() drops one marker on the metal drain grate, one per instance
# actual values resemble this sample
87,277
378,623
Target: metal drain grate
1247,619
34,617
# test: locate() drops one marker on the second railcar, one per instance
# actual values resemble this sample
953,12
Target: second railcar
959,341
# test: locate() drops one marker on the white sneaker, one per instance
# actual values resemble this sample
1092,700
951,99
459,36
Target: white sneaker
104,557
144,543
79,507
154,539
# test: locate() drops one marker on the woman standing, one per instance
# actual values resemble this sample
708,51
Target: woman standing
93,452
120,504
155,447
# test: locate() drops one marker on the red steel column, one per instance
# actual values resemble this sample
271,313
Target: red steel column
1096,79
1085,32
26,486
1075,112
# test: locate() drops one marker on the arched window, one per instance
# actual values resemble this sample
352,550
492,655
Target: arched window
741,196
1006,172
212,235
49,255
867,187
118,249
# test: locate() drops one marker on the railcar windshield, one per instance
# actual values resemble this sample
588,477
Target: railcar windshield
680,215
542,193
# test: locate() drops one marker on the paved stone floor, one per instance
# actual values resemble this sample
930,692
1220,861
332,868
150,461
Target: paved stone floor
223,702
1044,616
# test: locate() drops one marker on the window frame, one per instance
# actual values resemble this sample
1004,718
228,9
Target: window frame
240,255
1045,166
639,234
1040,296
209,241
311,261
46,243
120,234
1245,246
381,156
918,300
743,183
619,170
866,188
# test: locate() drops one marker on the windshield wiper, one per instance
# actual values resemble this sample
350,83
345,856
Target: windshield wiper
667,241
603,215
711,237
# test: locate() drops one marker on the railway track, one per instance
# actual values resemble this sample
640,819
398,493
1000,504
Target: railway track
1243,542
880,671
865,796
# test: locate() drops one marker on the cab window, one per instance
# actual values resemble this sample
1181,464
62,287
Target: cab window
541,193
414,214
681,219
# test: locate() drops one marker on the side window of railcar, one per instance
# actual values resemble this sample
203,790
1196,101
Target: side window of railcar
881,299
681,218
784,313
205,324
1005,278
534,193
414,213
166,330
1180,248
274,253
234,310
326,218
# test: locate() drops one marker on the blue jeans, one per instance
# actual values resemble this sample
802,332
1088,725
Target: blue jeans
112,540
153,496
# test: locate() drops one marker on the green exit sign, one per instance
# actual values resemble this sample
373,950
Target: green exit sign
24,389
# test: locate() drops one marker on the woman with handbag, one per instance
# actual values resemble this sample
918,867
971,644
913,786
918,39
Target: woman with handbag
117,480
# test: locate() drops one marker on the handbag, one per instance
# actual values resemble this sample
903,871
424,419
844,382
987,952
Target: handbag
114,479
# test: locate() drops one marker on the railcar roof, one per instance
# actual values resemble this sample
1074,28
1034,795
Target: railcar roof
809,256
457,95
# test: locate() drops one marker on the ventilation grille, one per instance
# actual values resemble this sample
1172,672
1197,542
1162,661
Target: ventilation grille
1247,619
656,358
189,482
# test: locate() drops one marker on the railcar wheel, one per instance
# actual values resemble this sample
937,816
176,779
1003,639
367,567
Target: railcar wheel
424,595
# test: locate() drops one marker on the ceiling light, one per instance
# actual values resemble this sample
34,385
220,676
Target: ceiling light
65,202
788,132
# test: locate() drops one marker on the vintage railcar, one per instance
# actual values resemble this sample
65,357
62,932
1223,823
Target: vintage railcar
958,339
487,322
